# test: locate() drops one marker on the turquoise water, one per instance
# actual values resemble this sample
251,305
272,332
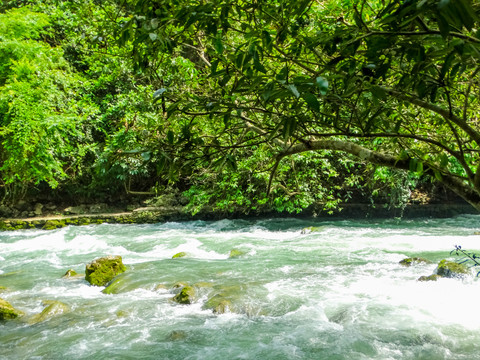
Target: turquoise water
338,293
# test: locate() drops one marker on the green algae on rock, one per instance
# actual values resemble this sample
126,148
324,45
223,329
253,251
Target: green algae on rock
53,224
179,255
7,311
235,253
185,296
451,269
414,260
53,308
125,282
102,270
70,273
433,277
218,304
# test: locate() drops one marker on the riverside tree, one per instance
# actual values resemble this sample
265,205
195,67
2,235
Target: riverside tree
392,83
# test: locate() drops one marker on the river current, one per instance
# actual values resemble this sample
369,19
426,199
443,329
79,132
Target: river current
338,292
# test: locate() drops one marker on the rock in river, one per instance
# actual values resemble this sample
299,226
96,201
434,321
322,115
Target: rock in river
7,311
450,269
102,270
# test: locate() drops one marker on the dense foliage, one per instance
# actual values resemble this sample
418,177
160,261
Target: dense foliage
240,105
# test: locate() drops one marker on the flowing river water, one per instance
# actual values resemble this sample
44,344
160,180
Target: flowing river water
336,293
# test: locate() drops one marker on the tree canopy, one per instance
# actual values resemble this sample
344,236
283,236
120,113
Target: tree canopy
279,101
392,83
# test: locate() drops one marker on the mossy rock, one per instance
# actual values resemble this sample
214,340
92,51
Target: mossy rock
3,288
7,311
450,269
70,273
234,253
433,277
414,260
185,296
179,255
102,270
177,335
177,287
53,224
121,284
218,304
53,308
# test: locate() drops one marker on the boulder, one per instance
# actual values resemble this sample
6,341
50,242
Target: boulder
53,308
451,269
7,311
102,270
185,296
414,260
38,209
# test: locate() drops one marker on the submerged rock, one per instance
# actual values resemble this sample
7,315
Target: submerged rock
236,253
311,229
450,269
102,270
433,277
179,255
177,335
122,283
218,304
7,311
414,260
185,296
53,308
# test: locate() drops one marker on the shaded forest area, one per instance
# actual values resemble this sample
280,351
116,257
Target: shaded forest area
238,107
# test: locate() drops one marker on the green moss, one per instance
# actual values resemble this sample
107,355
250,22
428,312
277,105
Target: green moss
414,260
236,253
53,308
54,224
70,273
7,311
179,255
101,271
122,283
433,277
451,269
185,296
218,304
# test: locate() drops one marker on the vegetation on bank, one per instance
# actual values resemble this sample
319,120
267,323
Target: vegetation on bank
273,104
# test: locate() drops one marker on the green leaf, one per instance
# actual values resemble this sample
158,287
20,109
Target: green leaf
170,137
322,84
378,92
293,90
219,45
311,101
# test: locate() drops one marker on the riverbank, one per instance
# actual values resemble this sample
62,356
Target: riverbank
139,215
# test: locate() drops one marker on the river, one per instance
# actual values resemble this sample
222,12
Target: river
338,292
